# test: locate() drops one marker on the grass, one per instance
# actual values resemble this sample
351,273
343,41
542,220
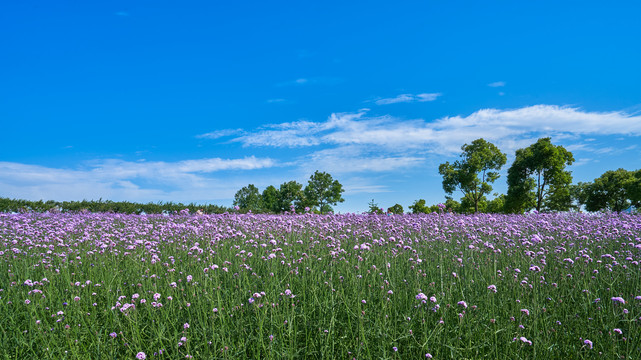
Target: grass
309,286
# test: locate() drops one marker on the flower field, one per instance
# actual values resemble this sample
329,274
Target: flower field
230,286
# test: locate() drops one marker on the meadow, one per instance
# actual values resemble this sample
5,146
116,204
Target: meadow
243,286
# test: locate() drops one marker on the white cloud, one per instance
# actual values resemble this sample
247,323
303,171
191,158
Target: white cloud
220,133
355,158
497,84
188,180
509,129
404,98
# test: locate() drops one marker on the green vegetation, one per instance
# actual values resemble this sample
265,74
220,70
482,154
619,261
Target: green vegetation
473,174
321,192
236,286
538,179
96,206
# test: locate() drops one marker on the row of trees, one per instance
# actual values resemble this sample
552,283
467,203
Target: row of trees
321,192
537,179
124,207
615,190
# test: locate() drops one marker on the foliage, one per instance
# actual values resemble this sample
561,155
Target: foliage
496,205
419,207
612,191
473,174
322,191
396,209
97,206
578,193
538,175
248,198
270,200
290,194
634,189
236,286
374,208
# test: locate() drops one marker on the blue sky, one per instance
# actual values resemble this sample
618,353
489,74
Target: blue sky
190,101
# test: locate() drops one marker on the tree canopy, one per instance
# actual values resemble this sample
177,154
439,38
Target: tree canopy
538,179
290,194
473,174
248,198
615,190
323,191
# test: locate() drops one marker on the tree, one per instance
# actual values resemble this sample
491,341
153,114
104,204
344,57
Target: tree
322,191
610,191
374,208
270,199
419,207
537,175
248,198
578,194
634,189
396,209
496,205
473,174
290,193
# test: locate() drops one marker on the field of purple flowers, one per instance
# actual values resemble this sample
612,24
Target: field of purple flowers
309,286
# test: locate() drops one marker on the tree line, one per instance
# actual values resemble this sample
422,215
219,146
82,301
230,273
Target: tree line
321,192
123,207
537,180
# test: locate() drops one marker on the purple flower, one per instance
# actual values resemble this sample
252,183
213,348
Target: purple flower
588,343
421,296
522,338
526,312
113,334
618,299
463,304
141,355
395,348
618,331
186,326
492,287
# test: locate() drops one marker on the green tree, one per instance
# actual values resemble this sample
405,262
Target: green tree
473,174
290,193
396,209
610,191
419,207
538,174
578,194
374,208
322,191
270,199
496,205
634,189
248,198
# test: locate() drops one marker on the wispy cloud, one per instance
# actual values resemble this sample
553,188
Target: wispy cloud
188,180
497,84
356,158
310,81
405,98
220,133
511,128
